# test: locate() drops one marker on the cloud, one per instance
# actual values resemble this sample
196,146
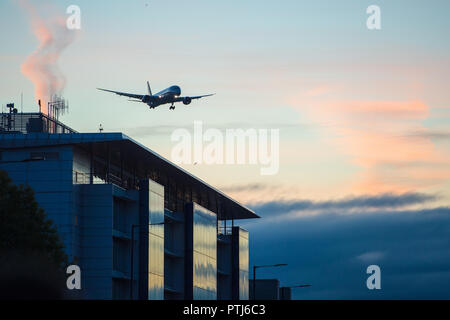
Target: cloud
245,187
332,251
319,90
372,134
137,132
357,204
380,110
432,134
371,256
166,130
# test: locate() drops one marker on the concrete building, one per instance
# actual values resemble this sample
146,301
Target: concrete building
138,226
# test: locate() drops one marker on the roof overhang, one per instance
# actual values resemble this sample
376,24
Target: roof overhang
145,158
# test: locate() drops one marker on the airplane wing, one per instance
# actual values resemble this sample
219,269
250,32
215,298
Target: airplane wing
131,95
196,97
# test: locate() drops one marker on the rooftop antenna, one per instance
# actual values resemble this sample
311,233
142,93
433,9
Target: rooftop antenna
58,106
12,112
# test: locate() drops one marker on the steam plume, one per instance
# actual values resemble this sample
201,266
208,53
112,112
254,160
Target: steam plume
41,66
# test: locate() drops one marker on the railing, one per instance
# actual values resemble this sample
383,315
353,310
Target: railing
31,122
85,178
80,178
115,179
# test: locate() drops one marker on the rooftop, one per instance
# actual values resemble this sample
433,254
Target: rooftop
145,162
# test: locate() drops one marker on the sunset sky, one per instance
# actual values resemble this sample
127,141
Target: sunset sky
364,115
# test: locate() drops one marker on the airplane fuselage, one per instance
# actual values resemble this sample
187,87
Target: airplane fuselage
165,96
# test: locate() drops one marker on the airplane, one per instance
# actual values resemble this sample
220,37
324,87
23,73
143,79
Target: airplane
169,95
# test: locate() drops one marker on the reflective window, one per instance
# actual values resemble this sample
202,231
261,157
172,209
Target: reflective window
204,254
243,264
156,242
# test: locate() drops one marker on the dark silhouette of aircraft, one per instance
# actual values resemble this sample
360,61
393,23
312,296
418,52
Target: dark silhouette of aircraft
169,95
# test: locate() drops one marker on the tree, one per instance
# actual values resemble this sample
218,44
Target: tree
24,227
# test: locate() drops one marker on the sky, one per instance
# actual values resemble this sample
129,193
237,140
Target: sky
364,119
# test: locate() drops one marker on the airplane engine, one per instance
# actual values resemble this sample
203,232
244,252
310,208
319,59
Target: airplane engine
146,99
187,100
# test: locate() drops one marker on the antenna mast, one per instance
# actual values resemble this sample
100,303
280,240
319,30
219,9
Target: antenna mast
58,106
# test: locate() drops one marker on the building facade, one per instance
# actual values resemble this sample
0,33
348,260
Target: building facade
138,226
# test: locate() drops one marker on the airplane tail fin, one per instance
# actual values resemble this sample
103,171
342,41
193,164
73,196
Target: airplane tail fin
149,89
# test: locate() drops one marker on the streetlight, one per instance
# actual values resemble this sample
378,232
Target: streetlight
132,251
263,266
300,286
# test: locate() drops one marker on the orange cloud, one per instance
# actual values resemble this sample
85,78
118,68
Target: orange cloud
376,135
380,110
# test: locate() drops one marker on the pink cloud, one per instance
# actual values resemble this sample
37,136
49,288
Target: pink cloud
376,137
379,110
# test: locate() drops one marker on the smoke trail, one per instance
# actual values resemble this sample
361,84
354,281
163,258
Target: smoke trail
41,66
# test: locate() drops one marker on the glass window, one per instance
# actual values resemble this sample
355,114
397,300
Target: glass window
156,242
204,254
243,264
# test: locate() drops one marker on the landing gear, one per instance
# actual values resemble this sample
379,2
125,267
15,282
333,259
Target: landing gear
172,107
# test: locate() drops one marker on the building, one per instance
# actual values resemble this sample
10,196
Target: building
269,289
138,226
285,293
264,289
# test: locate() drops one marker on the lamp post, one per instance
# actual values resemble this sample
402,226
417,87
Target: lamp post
300,286
263,266
132,252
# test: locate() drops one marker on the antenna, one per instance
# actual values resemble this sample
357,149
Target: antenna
58,106
10,116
